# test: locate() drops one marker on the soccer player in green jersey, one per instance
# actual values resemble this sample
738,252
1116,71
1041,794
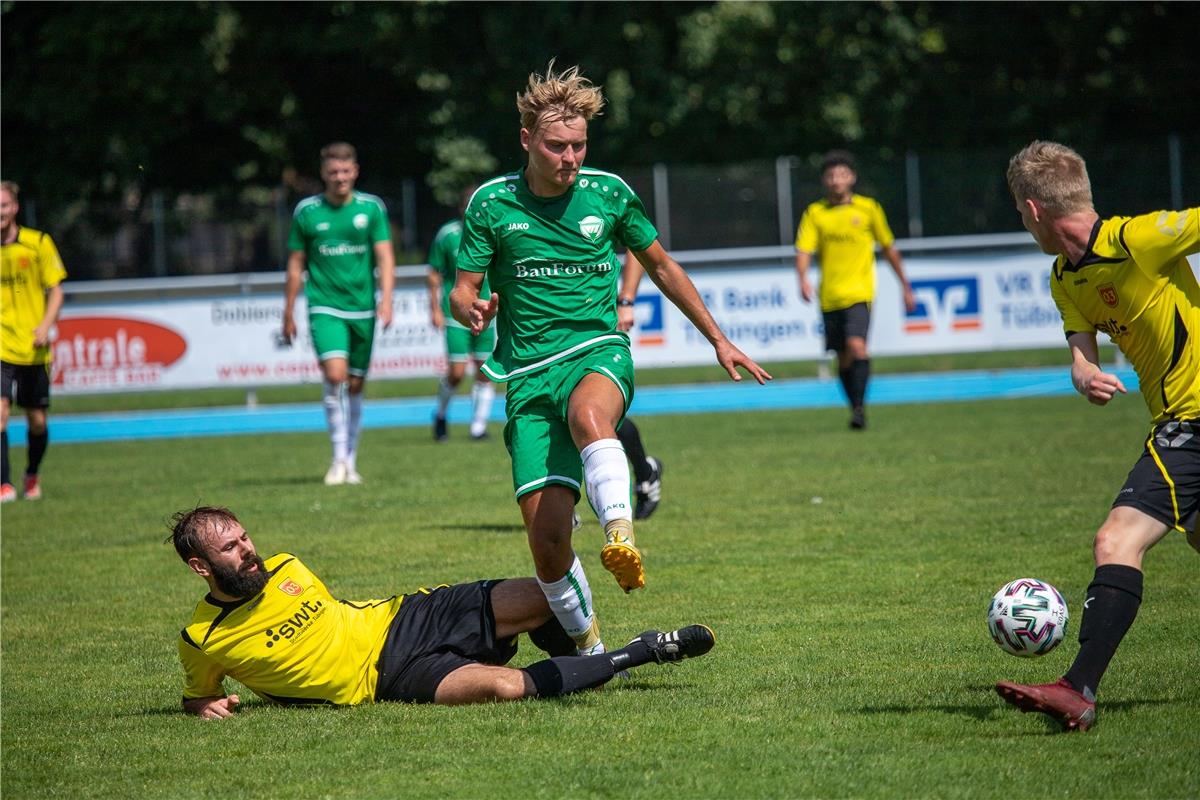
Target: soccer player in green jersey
31,295
461,344
272,624
544,236
1128,277
842,230
343,240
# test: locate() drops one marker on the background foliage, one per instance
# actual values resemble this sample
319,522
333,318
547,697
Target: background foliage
106,99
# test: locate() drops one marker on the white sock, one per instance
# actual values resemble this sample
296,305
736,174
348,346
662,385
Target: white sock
482,395
445,395
606,474
354,407
570,599
334,400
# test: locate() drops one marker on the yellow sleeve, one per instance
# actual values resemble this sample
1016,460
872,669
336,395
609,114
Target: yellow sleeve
1158,239
53,271
201,675
1072,317
807,236
879,226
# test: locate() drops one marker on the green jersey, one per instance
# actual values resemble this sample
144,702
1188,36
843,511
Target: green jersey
442,256
339,247
553,264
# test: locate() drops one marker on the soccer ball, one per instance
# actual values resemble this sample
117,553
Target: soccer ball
1027,617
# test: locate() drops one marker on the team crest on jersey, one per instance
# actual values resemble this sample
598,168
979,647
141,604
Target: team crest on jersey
1108,293
360,221
592,228
291,587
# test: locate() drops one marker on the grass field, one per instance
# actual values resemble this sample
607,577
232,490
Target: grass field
847,577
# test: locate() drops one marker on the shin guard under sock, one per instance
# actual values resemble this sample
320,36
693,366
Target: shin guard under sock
1111,606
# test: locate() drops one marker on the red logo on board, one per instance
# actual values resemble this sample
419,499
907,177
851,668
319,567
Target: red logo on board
109,352
291,587
1108,293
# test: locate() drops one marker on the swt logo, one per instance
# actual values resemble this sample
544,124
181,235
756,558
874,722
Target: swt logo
944,304
648,317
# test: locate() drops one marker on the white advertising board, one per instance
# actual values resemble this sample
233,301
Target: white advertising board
966,303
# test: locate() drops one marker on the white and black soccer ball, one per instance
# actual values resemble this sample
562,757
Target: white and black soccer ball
1027,617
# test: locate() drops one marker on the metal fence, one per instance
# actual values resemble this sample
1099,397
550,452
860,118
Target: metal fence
696,207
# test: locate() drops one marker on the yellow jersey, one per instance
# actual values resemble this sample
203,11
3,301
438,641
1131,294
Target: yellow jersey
293,642
843,238
28,267
1134,283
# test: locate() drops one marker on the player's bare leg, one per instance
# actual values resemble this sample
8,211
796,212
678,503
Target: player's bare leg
560,575
595,408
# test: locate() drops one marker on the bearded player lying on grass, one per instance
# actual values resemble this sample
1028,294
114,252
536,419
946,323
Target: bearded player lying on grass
274,626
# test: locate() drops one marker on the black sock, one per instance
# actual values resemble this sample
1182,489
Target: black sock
846,376
552,639
37,449
631,440
5,472
1112,604
566,674
631,655
860,371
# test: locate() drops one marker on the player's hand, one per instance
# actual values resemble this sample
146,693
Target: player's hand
1099,387
213,707
289,329
482,312
731,358
41,336
383,312
625,318
437,319
910,300
806,292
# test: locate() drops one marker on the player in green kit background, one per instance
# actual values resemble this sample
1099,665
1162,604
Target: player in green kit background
545,238
342,238
461,345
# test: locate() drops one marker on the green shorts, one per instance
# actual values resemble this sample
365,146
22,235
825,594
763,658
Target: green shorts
537,435
351,339
460,344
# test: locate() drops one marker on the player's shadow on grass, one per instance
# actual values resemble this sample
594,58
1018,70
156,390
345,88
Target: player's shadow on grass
486,527
994,707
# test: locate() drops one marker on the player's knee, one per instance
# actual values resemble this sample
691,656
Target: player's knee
510,685
37,423
1111,543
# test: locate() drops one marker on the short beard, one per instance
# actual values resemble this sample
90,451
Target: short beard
236,583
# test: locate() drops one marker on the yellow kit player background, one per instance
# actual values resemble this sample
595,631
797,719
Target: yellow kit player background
28,267
843,238
1135,284
292,642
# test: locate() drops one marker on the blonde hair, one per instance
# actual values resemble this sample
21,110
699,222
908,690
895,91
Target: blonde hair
11,188
1052,174
339,151
553,97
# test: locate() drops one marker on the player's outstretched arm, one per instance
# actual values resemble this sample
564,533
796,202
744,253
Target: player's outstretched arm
212,707
467,306
673,282
1088,378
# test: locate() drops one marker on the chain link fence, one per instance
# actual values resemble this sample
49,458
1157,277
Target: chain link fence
747,204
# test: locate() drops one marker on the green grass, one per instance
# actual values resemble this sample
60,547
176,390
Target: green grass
852,656
427,387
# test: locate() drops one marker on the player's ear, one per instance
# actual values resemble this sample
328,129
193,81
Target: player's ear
1035,210
526,136
199,566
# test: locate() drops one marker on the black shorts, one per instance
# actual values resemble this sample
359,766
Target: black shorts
434,633
1165,481
32,382
844,323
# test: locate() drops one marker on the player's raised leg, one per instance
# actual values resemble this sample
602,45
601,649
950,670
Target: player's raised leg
596,405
